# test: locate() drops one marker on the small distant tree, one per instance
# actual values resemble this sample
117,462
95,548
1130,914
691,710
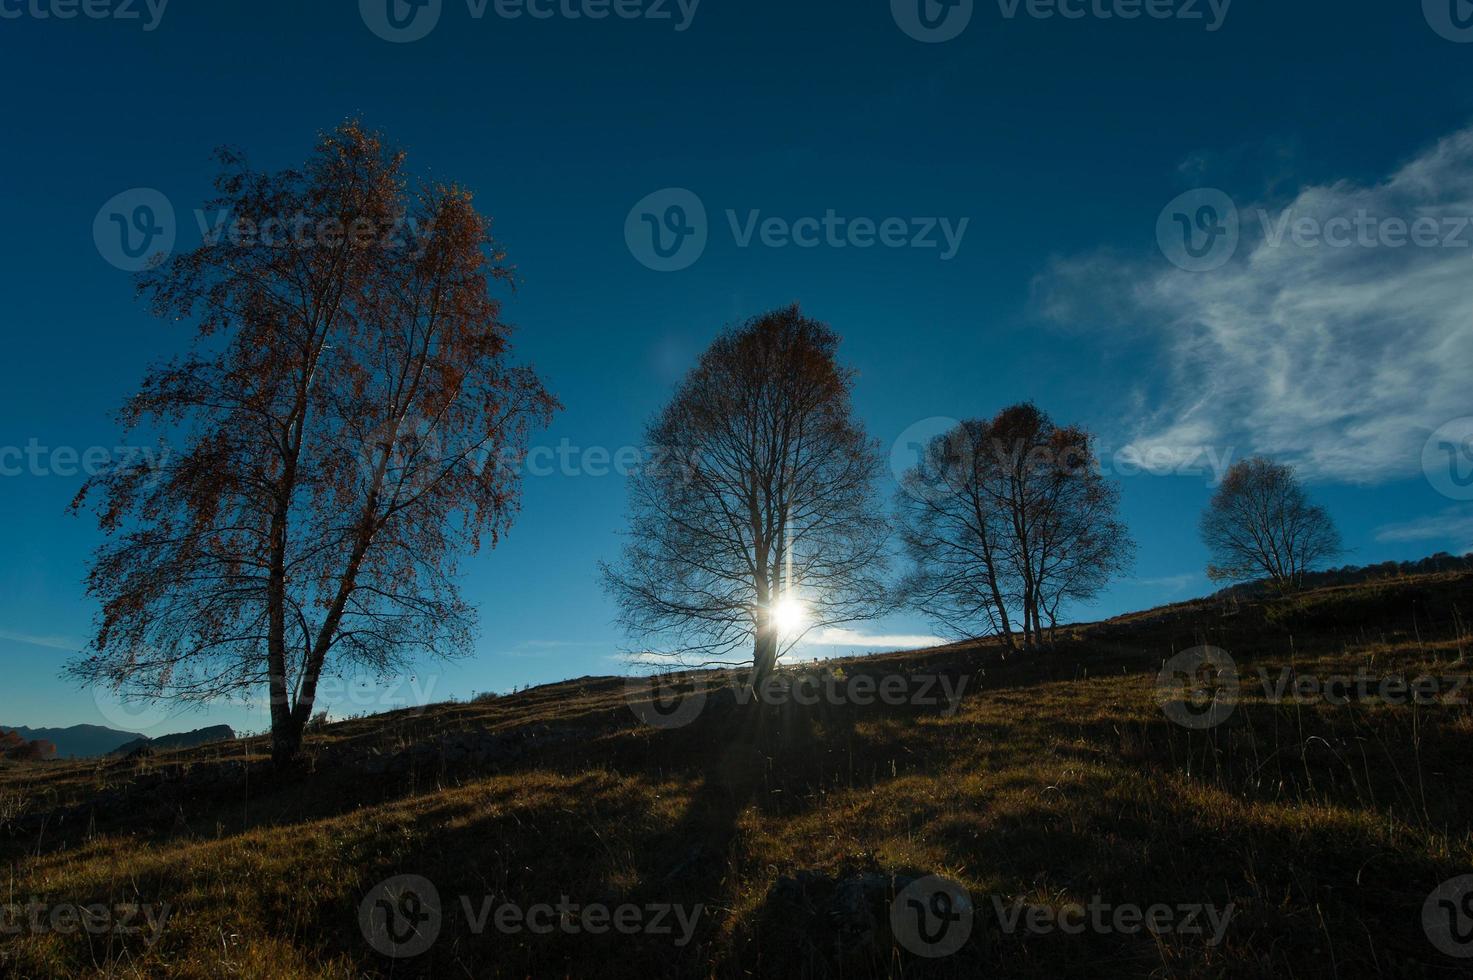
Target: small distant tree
338,433
39,750
18,749
1005,521
1261,524
757,520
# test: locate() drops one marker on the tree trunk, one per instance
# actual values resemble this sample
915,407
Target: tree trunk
283,748
1002,607
286,742
764,657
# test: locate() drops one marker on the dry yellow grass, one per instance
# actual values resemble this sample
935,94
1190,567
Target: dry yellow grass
1059,779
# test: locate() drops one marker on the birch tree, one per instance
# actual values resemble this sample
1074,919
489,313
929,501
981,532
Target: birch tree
346,423
1261,524
756,522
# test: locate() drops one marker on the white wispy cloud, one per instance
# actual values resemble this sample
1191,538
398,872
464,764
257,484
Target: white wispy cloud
539,648
1454,523
834,636
645,658
1170,583
50,642
1340,360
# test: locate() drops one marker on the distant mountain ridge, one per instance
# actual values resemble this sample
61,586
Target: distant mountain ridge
93,741
180,740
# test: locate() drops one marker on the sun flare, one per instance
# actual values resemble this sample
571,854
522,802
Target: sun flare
789,616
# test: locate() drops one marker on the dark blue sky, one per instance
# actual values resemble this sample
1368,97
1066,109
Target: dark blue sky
1058,140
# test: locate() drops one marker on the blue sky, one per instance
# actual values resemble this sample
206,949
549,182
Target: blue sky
1058,140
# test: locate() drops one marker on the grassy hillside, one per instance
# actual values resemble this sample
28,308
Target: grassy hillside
1317,831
